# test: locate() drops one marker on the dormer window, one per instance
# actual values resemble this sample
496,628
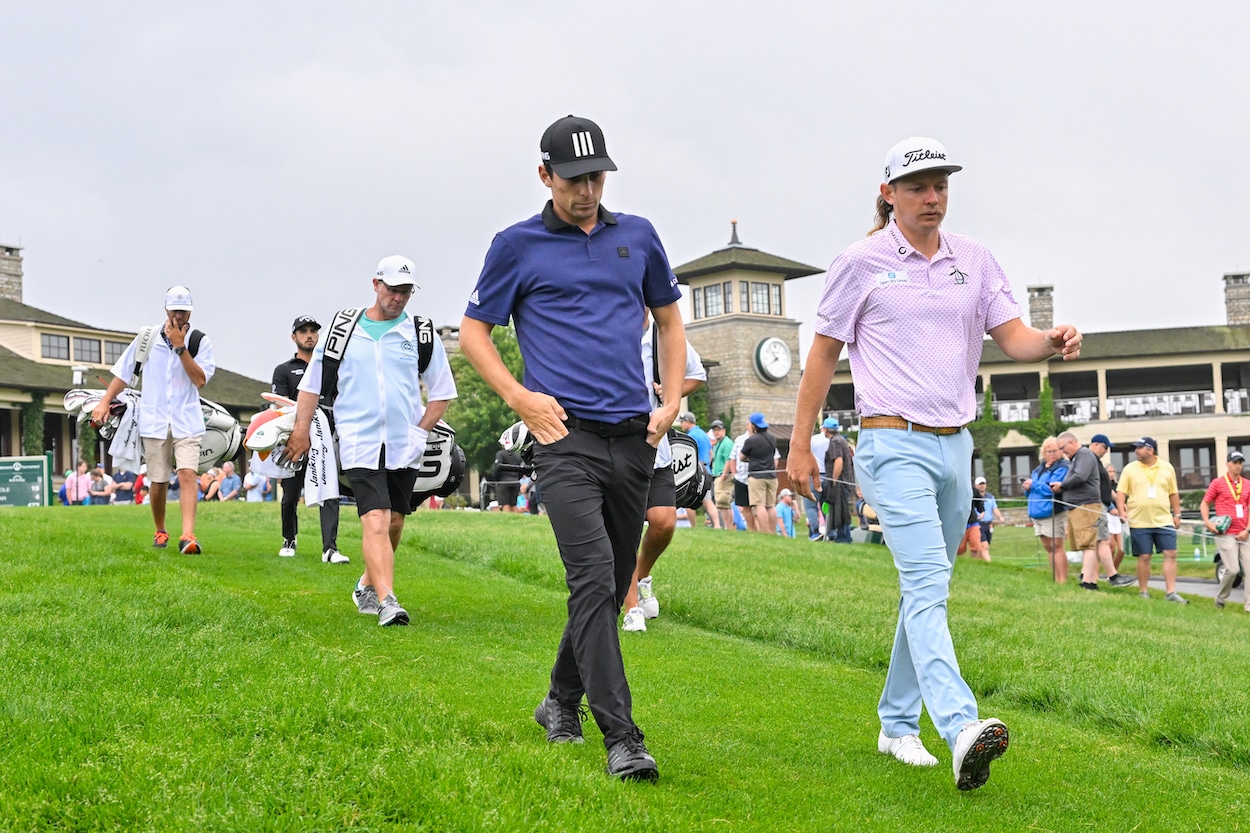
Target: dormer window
53,346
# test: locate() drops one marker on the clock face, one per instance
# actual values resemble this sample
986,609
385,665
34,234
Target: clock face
772,359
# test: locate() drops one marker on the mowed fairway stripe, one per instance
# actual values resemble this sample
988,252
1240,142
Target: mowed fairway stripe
241,687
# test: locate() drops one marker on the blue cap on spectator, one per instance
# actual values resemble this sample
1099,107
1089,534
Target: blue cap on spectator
1102,438
832,424
1147,441
757,419
1236,456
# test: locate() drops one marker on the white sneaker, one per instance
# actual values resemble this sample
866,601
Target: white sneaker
288,549
646,598
333,556
907,749
634,620
979,743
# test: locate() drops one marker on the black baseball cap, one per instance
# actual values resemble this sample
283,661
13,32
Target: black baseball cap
305,321
573,146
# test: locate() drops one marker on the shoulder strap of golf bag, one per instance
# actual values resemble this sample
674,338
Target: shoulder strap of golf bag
655,358
341,328
148,336
425,342
340,331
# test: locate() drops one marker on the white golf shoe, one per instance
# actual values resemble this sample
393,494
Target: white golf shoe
907,749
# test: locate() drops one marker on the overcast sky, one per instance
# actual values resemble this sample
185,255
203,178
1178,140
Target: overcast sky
268,154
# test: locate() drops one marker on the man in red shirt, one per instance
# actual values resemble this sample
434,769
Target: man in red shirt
1232,499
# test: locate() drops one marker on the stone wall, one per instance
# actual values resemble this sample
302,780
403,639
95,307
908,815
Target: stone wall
1042,307
1237,298
11,272
733,383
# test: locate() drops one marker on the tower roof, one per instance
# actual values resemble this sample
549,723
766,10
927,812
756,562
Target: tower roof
735,256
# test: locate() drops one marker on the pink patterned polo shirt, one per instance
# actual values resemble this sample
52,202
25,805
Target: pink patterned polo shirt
914,329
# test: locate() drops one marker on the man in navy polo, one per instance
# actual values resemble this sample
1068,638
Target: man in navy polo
576,280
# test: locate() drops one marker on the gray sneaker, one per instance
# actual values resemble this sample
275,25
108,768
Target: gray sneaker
366,599
629,760
1121,580
563,721
1176,597
390,613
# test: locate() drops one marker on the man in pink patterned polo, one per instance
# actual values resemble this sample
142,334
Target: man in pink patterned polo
912,304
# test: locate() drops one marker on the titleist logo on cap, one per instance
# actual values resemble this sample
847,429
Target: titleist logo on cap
921,155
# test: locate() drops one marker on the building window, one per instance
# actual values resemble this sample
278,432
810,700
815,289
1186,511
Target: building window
87,350
1013,468
744,296
113,351
776,299
697,305
1194,464
54,346
727,289
759,298
711,300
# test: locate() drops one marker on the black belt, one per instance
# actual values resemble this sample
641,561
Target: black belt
634,426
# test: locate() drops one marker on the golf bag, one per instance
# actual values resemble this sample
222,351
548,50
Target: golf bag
440,471
691,475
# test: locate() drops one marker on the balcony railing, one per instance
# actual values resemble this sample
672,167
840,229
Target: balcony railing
1021,410
1151,406
848,419
1077,411
1237,401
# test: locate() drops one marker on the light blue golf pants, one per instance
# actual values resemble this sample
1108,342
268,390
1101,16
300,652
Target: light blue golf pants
921,486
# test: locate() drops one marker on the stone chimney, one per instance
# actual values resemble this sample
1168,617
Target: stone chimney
1237,298
1041,307
11,272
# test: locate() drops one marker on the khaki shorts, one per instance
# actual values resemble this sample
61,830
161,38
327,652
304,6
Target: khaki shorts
182,453
1056,526
1083,526
724,493
1104,528
762,491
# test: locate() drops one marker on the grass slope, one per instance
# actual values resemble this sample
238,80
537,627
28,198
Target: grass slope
144,690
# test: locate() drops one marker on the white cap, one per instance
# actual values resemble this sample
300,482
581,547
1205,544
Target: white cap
917,154
784,493
978,481
178,297
397,270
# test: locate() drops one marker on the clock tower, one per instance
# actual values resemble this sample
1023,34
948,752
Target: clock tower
739,325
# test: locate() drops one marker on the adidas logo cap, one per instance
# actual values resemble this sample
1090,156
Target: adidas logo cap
397,270
573,146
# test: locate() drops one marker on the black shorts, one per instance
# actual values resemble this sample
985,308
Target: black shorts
663,490
987,533
507,492
742,495
384,489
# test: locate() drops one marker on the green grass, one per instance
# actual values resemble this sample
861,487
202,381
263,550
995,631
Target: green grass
143,690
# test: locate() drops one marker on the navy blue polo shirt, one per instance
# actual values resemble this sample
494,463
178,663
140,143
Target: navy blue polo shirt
578,302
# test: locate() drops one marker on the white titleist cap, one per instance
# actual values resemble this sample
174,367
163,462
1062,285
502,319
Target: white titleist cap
917,154
397,270
178,297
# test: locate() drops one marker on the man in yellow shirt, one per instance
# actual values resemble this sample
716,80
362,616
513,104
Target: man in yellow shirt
1148,488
